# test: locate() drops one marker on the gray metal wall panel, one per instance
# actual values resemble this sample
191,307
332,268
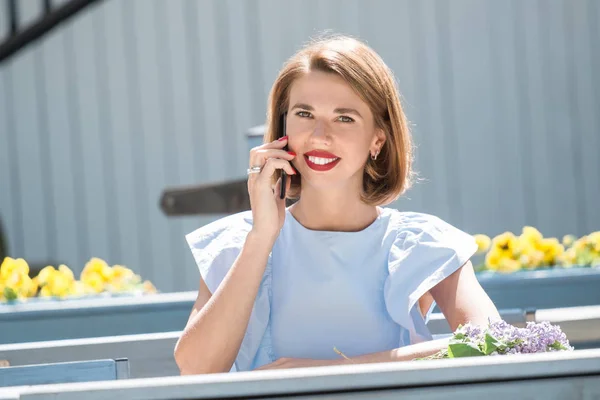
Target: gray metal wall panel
7,208
115,38
133,96
29,11
95,185
4,27
60,170
27,153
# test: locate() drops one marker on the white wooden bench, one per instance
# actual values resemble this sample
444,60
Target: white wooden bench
64,372
149,355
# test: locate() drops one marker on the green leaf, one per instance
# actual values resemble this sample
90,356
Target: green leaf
557,346
10,293
491,344
460,349
480,267
514,343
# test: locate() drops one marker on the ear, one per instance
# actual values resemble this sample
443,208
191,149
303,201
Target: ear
378,140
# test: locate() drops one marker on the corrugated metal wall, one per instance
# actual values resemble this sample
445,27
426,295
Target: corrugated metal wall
134,96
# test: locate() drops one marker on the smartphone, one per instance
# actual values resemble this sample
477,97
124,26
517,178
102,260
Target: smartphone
284,176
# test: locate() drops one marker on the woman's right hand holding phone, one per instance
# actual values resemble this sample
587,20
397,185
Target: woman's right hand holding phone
268,210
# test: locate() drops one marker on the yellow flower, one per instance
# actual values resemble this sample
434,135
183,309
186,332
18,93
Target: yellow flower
531,260
56,282
508,265
66,271
505,243
60,285
569,258
492,259
581,243
45,292
552,249
11,265
122,273
148,287
33,288
97,266
80,288
526,247
568,240
594,240
531,234
19,284
483,243
44,274
94,282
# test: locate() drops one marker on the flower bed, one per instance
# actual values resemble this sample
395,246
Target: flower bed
507,252
97,279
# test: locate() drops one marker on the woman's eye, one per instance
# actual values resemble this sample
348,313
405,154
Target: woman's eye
344,118
303,114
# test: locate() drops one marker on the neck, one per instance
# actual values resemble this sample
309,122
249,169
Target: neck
333,210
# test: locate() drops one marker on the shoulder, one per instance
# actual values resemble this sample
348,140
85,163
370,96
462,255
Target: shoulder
233,226
215,246
414,223
410,228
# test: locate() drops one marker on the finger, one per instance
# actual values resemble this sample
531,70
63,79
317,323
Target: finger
277,186
277,190
274,164
259,157
275,144
267,366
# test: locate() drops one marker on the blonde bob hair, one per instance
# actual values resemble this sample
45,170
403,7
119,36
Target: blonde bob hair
390,175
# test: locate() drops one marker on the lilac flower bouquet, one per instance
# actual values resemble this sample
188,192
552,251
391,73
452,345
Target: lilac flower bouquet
499,338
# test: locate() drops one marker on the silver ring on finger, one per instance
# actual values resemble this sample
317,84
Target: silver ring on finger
254,170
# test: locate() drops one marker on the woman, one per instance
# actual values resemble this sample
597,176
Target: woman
282,287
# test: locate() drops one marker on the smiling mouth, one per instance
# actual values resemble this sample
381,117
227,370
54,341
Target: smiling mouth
321,160
320,163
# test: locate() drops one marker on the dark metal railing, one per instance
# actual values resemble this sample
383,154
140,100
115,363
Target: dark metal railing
52,16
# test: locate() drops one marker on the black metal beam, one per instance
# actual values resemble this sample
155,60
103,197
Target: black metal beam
20,39
220,198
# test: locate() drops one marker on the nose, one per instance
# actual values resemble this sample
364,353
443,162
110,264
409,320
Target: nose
320,133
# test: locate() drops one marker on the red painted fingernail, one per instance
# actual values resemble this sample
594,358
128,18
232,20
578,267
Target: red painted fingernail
292,153
295,170
281,139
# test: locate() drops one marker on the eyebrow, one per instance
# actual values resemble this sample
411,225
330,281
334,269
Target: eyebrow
342,110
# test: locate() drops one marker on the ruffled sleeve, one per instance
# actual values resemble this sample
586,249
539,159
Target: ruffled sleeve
426,250
215,248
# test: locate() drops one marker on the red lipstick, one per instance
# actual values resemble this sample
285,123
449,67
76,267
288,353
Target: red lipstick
320,158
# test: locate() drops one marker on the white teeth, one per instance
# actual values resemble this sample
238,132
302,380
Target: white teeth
321,161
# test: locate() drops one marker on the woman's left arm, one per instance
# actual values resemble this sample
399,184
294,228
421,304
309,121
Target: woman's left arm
461,299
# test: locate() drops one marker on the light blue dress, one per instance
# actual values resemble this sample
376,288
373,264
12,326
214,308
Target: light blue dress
356,291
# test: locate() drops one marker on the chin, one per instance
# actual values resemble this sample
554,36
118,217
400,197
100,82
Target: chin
325,181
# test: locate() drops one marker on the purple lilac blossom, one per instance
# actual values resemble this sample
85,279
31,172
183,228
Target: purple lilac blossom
534,338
